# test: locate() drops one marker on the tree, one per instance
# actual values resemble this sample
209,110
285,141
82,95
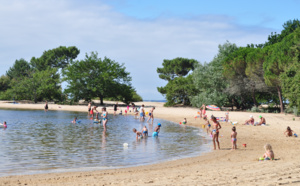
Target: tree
177,67
94,77
37,86
210,81
55,58
179,88
20,69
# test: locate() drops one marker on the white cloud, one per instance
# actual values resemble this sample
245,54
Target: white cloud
32,26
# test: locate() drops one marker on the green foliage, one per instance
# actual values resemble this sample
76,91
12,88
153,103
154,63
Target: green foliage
55,58
4,83
255,109
180,87
20,69
209,79
37,86
177,67
94,77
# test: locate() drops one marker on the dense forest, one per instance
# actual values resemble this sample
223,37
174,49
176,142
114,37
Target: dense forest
240,77
90,78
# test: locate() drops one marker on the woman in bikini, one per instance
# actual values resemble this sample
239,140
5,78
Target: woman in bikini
215,131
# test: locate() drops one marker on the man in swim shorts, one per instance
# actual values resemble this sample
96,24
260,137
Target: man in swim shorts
262,121
156,130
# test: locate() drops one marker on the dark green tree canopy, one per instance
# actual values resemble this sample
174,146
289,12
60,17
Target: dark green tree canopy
20,69
55,58
94,77
176,68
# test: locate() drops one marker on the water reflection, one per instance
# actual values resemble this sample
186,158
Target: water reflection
38,140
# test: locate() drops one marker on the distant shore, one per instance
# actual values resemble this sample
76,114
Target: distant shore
223,166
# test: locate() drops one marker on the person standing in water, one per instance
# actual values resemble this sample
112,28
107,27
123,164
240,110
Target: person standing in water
115,108
142,116
215,131
105,117
46,106
151,115
89,107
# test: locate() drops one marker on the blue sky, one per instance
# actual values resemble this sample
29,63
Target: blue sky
138,33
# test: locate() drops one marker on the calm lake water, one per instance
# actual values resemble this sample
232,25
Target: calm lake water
40,142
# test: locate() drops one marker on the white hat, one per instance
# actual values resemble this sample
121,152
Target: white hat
251,116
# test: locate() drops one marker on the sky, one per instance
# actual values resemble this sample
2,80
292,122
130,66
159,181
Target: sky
138,33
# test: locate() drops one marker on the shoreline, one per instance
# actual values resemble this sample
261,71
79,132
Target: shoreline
217,167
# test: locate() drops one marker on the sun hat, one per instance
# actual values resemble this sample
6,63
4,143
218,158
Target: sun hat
251,116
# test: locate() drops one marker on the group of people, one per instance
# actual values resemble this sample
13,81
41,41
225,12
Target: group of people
92,111
250,121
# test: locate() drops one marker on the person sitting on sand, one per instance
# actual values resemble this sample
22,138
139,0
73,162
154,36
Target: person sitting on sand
269,155
207,124
289,132
250,121
262,121
138,134
233,138
184,121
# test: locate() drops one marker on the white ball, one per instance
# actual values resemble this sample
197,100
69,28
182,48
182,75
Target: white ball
125,144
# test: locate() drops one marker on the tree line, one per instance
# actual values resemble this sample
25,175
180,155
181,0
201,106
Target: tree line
241,77
89,78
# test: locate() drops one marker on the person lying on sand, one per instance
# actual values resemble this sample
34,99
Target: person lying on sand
249,121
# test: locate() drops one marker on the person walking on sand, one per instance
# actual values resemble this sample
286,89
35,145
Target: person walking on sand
115,108
46,106
215,131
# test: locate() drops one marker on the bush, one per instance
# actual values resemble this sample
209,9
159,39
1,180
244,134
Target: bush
295,111
255,109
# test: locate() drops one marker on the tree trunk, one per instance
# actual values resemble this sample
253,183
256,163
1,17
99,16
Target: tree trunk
254,99
101,100
280,99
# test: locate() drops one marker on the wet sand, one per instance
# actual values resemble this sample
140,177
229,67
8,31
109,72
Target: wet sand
225,166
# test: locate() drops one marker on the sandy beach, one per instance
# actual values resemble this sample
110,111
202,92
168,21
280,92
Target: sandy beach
219,167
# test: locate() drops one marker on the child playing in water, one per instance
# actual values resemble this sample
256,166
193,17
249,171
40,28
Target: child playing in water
184,121
233,138
120,112
269,155
151,115
4,125
156,130
75,119
227,116
145,131
288,132
207,124
138,134
105,117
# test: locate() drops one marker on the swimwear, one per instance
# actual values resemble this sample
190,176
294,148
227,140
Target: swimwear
142,114
150,114
155,134
92,112
89,109
115,107
145,132
233,139
214,131
209,125
46,107
184,123
267,158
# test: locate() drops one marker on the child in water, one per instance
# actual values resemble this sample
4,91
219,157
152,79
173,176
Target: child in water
138,134
207,124
145,131
233,138
4,124
151,115
269,155
184,121
289,132
105,117
156,130
75,119
120,112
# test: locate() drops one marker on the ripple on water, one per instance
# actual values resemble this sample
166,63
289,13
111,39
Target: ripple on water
39,142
